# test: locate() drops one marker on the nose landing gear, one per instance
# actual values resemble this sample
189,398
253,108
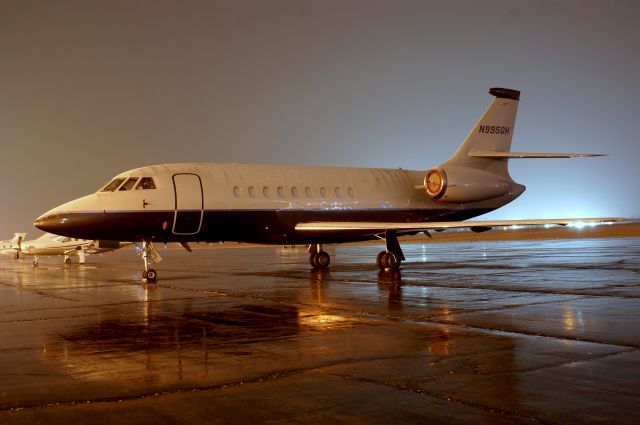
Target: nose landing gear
150,275
149,254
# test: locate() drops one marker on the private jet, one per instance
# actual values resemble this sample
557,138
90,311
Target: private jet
285,204
50,244
13,246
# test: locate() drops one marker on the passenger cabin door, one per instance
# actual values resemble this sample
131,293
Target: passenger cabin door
189,204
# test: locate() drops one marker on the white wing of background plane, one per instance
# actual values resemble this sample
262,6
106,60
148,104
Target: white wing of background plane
443,225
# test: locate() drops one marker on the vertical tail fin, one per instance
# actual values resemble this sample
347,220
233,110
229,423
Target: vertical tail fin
478,170
17,239
492,132
16,244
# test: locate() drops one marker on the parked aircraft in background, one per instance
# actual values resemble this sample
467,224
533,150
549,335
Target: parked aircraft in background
284,204
50,244
12,246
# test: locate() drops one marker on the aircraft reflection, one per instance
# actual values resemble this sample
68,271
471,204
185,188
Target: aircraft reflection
439,342
318,318
318,279
164,343
390,281
572,319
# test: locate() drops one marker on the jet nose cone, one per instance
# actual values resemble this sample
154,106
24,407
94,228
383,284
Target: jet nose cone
42,220
40,223
72,219
50,222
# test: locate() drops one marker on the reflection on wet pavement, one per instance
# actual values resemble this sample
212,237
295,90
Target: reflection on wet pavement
487,332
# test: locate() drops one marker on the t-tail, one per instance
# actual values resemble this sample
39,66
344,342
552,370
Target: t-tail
478,171
16,243
17,239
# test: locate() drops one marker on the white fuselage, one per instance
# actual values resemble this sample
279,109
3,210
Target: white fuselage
273,187
257,203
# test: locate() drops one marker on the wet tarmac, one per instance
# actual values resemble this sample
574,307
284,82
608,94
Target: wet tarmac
533,332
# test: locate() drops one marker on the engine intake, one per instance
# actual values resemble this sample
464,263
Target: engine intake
462,184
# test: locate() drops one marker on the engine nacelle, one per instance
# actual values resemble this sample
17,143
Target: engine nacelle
462,184
104,244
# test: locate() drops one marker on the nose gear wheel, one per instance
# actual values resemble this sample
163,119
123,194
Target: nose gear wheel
149,254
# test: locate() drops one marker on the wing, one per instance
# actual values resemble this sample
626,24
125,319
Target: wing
87,247
72,251
478,226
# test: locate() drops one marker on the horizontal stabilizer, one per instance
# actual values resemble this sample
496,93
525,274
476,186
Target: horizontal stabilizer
324,226
493,154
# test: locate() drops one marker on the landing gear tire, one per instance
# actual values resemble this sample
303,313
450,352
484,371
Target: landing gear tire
323,260
150,276
392,262
67,260
319,260
387,261
313,258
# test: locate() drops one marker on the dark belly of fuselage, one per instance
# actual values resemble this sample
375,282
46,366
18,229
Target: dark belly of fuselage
257,226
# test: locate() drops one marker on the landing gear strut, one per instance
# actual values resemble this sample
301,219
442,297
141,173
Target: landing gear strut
149,255
318,258
393,256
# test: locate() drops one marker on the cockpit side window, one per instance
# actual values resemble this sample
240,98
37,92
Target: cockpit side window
128,185
115,183
146,183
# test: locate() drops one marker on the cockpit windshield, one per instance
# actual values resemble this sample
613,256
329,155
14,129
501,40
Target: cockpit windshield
146,183
115,183
128,185
143,183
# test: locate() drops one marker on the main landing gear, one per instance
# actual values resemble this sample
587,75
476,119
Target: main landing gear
318,258
390,259
78,251
393,256
149,255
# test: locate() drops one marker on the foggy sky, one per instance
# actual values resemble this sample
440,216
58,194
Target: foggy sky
89,89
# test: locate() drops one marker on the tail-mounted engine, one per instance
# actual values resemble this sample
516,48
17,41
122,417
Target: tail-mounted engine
462,184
